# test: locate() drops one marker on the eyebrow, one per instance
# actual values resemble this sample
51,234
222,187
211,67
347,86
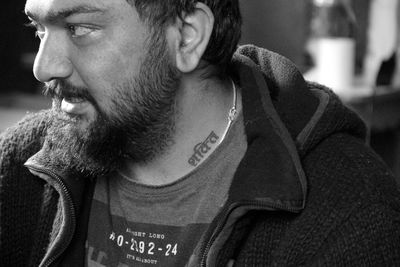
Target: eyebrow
54,16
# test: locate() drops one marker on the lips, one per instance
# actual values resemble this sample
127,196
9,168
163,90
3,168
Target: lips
75,105
74,99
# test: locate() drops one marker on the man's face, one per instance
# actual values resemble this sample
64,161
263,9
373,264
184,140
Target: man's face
112,81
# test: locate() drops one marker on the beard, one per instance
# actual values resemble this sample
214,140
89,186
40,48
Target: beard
139,125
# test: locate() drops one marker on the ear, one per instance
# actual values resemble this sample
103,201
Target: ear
194,34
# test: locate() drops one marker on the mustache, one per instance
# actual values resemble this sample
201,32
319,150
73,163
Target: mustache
59,89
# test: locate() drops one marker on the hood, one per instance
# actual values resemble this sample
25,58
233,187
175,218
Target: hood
285,117
310,111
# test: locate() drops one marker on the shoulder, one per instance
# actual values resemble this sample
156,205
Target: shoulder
353,200
352,213
22,140
342,167
345,163
24,201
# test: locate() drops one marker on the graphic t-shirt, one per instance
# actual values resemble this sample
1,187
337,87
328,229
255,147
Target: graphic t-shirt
132,224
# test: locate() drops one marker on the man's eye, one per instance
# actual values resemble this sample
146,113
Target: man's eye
79,31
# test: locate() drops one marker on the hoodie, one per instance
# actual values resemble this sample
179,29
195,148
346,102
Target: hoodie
307,192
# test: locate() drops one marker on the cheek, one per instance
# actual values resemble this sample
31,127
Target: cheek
106,70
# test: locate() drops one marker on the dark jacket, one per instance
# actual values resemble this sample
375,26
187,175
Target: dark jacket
307,192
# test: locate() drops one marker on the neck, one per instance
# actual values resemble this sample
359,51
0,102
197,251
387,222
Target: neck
202,117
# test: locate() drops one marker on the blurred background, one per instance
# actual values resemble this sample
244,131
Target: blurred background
350,45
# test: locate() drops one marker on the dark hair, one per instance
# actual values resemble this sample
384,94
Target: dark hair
227,25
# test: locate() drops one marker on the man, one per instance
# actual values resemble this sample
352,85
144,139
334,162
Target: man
162,148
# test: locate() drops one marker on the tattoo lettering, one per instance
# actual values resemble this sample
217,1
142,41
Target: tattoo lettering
202,148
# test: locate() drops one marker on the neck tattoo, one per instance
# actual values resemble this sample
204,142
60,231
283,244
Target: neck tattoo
202,148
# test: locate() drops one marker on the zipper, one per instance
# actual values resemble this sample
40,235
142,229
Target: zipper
206,245
70,208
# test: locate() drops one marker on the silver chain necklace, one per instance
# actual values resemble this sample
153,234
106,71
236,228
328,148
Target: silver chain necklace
232,112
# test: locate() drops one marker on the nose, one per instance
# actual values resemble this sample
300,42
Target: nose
52,61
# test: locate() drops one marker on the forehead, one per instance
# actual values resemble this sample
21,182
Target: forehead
53,9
